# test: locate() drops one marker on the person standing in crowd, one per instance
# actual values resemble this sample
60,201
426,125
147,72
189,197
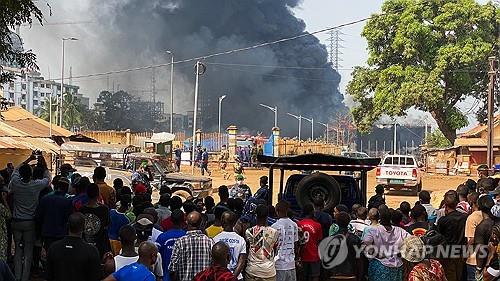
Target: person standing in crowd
385,265
240,189
424,197
175,204
482,234
209,204
236,244
223,159
107,193
81,198
420,226
373,217
377,199
422,269
263,191
473,220
463,205
167,239
351,267
118,218
192,252
288,243
128,253
223,193
216,227
218,271
452,227
139,270
359,223
25,193
71,258
321,216
5,215
117,186
162,210
204,162
405,209
312,234
96,221
177,158
53,213
262,242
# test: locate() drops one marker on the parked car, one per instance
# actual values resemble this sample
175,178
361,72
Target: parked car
400,172
301,188
120,161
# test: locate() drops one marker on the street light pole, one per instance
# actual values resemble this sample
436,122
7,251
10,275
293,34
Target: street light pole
221,98
395,146
200,69
326,125
298,117
273,109
171,92
312,126
62,82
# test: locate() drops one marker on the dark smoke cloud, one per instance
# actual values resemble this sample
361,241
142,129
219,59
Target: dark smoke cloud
136,32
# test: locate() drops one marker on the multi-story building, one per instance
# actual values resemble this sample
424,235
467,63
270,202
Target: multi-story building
31,91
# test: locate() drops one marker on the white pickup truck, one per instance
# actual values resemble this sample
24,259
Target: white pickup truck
400,172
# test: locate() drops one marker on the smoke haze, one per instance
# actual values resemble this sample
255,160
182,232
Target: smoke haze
130,33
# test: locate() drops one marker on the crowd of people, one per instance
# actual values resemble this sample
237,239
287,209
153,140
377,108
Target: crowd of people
70,227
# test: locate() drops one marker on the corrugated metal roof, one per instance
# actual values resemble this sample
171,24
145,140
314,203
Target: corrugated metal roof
43,144
19,122
475,142
480,128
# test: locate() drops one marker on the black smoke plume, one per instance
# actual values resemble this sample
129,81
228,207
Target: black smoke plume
138,31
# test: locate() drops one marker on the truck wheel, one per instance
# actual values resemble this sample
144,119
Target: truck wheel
318,184
183,194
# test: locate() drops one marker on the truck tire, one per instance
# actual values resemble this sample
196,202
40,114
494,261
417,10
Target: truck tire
183,194
318,184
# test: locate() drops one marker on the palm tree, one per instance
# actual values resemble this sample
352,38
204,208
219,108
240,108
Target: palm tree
72,112
43,111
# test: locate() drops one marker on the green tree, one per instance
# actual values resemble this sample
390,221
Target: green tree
429,55
44,111
436,139
13,14
72,112
117,109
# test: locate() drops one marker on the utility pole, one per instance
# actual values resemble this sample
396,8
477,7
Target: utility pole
395,138
493,64
153,94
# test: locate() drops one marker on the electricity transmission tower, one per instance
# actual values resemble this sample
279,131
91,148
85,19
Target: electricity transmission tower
334,48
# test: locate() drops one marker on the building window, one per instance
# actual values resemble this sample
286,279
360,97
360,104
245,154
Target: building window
58,87
42,94
42,103
35,94
11,96
42,85
35,102
23,97
48,86
23,86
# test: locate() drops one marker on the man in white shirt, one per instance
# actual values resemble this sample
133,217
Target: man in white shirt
288,243
237,244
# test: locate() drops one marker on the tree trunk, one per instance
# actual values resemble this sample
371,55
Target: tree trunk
447,131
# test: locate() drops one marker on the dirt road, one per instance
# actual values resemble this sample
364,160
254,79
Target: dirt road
436,184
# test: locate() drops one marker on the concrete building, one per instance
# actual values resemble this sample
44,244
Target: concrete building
31,91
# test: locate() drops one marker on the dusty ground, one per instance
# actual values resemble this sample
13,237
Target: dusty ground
436,184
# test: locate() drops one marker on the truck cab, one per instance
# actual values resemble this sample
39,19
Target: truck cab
400,172
311,179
